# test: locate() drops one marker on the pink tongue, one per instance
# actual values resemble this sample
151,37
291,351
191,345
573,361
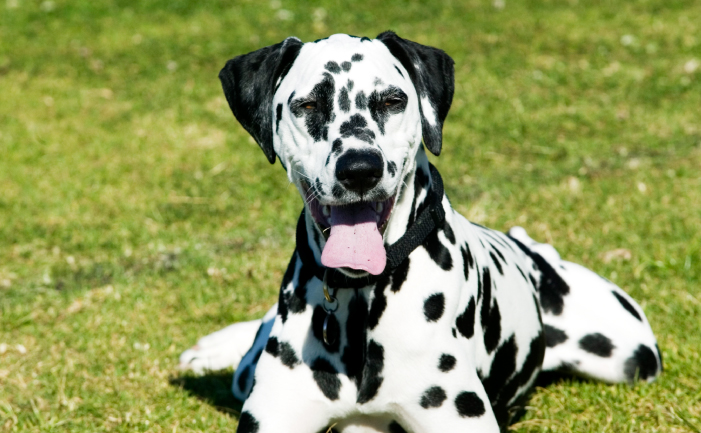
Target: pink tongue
355,241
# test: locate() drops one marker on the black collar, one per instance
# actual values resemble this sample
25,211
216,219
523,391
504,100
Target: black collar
430,219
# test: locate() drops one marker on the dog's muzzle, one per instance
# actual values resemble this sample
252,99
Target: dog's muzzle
353,230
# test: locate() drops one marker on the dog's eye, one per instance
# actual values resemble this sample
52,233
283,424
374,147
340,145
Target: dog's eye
311,105
392,102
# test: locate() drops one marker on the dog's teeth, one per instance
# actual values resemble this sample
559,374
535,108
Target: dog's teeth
379,207
326,211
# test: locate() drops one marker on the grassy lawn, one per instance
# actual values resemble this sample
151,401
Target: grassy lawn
136,215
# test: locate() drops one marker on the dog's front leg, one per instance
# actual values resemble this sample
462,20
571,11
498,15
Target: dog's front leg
284,398
461,407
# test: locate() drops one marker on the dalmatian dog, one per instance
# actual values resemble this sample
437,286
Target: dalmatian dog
396,314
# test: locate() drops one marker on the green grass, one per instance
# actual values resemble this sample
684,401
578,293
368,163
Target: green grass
136,215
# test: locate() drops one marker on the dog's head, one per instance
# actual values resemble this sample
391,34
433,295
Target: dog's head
346,117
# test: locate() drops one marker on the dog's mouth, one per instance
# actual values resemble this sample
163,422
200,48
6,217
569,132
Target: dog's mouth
353,233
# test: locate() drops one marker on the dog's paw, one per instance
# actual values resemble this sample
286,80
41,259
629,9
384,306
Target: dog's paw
221,349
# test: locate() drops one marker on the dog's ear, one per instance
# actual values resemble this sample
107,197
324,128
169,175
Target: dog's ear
432,73
249,84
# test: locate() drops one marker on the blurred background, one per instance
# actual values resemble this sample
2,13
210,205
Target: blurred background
137,215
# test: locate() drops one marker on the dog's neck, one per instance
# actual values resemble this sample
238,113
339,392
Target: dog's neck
411,200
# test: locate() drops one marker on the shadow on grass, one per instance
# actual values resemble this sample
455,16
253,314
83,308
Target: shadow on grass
548,378
213,387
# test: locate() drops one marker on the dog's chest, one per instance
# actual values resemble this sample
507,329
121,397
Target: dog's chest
455,300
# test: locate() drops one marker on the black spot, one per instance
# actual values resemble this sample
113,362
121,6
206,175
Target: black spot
349,85
496,250
597,344
282,310
379,108
356,127
433,397
438,252
356,57
446,362
378,81
627,305
286,280
466,321
292,95
344,102
364,39
371,379
391,168
520,271
332,67
496,262
296,300
337,191
537,308
318,118
287,355
399,275
467,260
486,299
278,117
552,287
361,101
642,364
247,423
398,70
434,306
455,334
346,66
480,289
272,347
318,187
659,352
354,352
503,366
379,302
510,401
448,232
326,377
421,181
243,378
469,404
337,146
333,330
554,336
495,236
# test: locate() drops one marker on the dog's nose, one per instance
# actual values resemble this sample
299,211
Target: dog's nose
359,171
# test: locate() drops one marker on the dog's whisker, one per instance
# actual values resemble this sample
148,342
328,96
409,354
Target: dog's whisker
303,175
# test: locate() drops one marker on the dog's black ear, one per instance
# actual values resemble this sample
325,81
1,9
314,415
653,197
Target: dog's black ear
249,84
432,73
